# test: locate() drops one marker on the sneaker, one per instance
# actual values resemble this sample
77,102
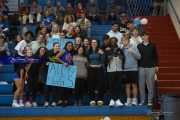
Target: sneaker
100,103
118,103
92,103
15,104
141,104
112,103
28,104
21,104
53,104
34,104
46,104
75,103
128,103
134,103
149,104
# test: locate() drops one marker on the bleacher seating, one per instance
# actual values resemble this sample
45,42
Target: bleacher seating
6,94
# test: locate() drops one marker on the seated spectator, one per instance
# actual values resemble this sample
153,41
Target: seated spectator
119,4
112,12
79,33
48,35
130,25
80,10
47,19
158,4
3,8
62,35
24,30
115,33
92,12
43,31
23,45
85,25
3,23
35,12
23,13
4,50
77,43
49,8
69,10
106,43
71,2
1,33
35,45
68,21
16,41
55,31
135,39
83,2
86,44
102,5
123,26
69,34
59,14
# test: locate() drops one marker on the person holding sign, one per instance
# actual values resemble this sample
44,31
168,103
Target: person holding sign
32,76
115,60
51,54
65,57
95,73
81,62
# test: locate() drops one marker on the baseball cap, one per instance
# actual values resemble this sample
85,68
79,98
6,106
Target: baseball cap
105,37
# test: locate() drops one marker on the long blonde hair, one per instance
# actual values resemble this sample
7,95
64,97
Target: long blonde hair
53,32
75,45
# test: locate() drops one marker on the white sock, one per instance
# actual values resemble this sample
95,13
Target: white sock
20,101
128,99
14,101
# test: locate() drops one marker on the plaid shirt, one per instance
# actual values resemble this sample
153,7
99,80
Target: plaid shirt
85,23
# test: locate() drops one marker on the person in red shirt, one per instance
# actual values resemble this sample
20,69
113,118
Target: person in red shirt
79,10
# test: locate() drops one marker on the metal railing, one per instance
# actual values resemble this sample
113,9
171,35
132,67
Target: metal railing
174,11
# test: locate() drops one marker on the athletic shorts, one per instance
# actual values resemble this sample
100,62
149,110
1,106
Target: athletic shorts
15,75
130,77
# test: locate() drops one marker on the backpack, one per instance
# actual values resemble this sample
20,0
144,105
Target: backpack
11,33
15,20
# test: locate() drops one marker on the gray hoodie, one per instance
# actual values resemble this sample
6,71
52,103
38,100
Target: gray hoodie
82,63
131,58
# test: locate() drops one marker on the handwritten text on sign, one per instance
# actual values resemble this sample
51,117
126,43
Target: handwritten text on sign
62,42
60,75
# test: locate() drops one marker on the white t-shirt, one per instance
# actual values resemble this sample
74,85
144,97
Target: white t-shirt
22,47
133,41
55,35
118,35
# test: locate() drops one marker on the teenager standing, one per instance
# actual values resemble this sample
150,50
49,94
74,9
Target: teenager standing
114,60
148,65
96,58
80,60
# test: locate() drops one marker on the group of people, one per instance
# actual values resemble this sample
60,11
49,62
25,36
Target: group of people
126,57
126,60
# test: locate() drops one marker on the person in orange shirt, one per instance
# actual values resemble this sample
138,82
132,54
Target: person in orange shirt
23,13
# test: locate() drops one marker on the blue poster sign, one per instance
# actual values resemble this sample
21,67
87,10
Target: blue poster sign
62,42
62,76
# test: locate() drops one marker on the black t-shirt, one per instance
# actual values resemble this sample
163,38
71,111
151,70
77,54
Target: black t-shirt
51,57
122,28
22,66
